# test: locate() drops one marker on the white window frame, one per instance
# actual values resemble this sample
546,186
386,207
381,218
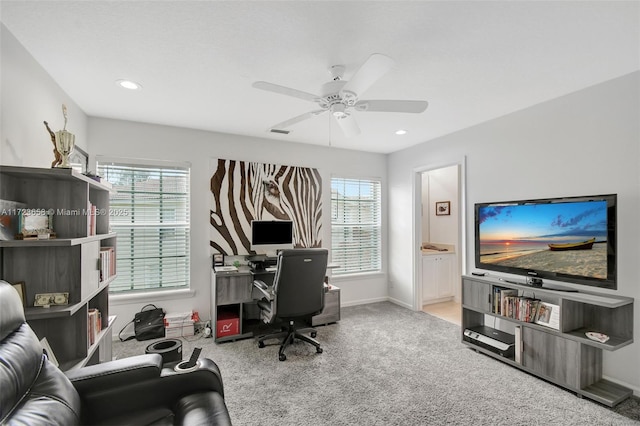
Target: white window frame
181,227
344,257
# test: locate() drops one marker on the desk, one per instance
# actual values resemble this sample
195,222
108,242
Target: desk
233,296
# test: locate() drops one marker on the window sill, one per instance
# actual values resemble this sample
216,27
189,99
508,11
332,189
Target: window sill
125,299
356,276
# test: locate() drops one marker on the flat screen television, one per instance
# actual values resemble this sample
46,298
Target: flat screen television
268,236
569,239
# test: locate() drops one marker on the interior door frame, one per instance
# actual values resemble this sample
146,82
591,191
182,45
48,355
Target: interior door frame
417,224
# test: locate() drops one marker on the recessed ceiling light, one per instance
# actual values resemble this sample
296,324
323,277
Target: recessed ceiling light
401,132
127,84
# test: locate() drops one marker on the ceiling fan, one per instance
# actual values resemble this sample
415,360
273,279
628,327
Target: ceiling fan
341,97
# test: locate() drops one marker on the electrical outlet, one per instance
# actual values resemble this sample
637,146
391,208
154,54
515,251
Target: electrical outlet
207,329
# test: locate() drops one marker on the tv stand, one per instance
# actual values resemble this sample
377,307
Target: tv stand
551,353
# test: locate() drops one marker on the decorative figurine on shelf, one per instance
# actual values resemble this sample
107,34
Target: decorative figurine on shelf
58,157
63,142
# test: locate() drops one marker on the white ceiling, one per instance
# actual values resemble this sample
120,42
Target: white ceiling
472,60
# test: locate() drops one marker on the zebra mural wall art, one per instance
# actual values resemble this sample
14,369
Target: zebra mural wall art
243,191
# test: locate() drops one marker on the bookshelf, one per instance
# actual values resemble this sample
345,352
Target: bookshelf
70,263
561,354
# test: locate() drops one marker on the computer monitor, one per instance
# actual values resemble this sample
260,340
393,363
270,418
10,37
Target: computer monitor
269,236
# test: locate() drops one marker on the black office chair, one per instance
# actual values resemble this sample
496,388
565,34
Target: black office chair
297,294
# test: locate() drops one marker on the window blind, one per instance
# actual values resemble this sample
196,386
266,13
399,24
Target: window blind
356,229
150,215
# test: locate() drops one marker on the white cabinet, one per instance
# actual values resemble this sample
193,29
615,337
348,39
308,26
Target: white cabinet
438,271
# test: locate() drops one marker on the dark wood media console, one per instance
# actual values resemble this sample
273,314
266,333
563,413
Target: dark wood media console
564,356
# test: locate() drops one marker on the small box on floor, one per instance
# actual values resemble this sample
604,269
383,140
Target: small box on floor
179,325
187,329
228,324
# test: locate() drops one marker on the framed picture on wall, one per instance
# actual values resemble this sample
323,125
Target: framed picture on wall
218,259
443,208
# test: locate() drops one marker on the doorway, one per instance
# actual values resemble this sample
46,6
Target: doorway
439,237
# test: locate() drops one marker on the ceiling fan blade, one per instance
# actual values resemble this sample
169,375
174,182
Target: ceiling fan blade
374,67
270,87
349,126
391,106
290,122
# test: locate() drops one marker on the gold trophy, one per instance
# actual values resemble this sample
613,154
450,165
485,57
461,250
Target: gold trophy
65,141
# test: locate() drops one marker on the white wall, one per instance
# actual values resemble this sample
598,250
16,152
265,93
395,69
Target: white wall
443,186
584,143
29,97
147,141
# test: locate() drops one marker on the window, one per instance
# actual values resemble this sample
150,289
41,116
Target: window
356,226
150,215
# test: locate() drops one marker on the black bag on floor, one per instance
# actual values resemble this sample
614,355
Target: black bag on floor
147,324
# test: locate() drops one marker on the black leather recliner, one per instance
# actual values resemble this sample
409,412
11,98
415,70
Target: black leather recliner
129,391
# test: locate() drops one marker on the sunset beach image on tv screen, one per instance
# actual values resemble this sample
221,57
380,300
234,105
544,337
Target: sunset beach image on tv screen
566,238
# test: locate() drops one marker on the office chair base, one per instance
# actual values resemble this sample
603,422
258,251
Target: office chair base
290,335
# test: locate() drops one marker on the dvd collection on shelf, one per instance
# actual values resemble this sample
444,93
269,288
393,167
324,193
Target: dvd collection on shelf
508,303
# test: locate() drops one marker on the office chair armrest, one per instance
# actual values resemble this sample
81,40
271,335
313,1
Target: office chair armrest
263,288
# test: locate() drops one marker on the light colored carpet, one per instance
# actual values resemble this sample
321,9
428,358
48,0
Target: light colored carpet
385,365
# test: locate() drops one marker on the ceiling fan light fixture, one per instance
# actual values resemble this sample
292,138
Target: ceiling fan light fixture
338,110
128,84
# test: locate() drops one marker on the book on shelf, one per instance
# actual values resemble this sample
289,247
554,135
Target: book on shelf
91,223
548,315
506,294
94,325
107,262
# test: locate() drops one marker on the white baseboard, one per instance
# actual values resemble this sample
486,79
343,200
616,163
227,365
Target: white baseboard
400,303
365,301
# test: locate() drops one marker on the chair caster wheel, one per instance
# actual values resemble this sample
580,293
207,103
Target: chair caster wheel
282,357
319,350
261,344
313,334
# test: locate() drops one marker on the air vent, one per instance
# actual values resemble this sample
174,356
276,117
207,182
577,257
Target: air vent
284,132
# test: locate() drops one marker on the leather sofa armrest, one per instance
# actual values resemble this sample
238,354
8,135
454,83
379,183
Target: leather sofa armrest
116,373
207,376
136,393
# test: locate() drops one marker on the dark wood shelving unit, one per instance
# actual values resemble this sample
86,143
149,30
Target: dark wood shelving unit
69,263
